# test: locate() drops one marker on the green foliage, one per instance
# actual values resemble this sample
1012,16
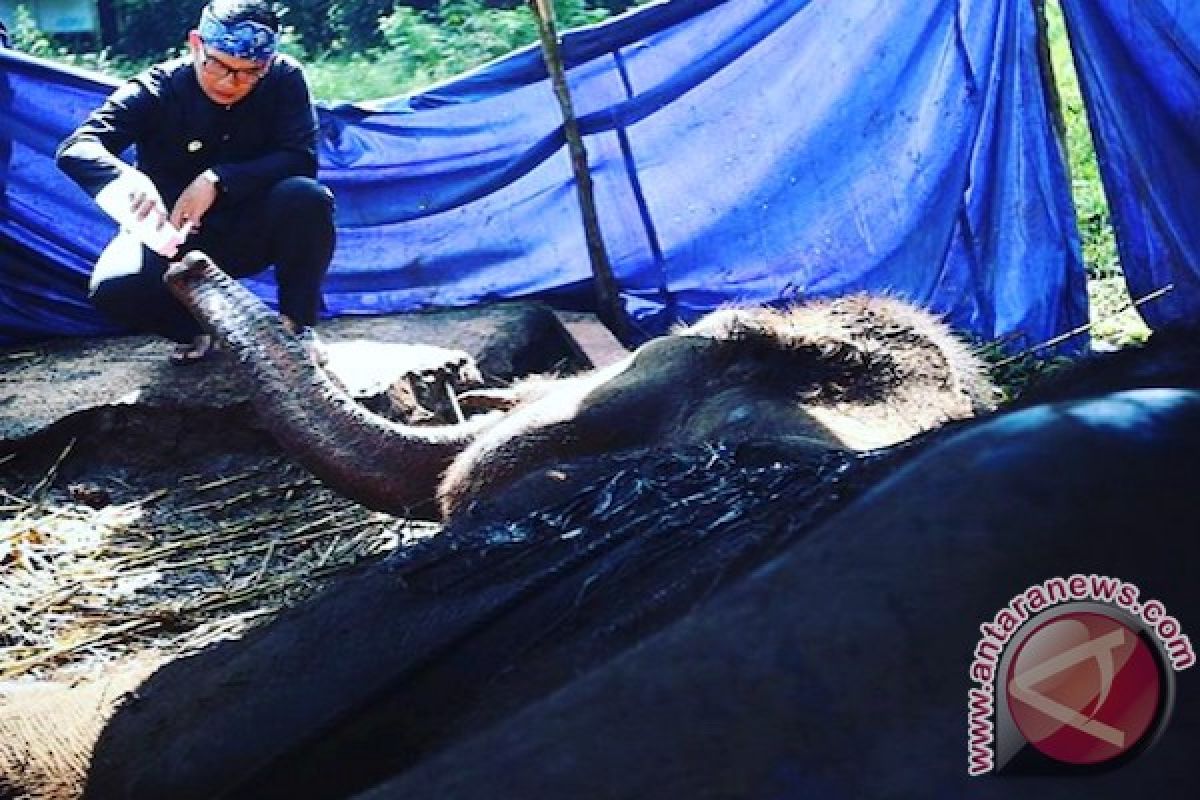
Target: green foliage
1095,227
310,26
27,38
149,30
152,29
461,34
1013,374
422,47
1114,321
358,21
457,36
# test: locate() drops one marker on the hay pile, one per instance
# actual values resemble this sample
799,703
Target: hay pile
86,580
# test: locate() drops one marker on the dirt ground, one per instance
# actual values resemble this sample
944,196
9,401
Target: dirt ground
143,508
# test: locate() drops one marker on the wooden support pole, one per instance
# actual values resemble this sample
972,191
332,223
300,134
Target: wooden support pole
608,301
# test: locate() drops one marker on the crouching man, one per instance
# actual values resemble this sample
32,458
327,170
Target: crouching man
226,142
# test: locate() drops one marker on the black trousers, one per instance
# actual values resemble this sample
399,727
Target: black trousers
292,229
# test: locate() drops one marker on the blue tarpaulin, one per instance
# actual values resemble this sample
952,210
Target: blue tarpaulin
1139,69
743,151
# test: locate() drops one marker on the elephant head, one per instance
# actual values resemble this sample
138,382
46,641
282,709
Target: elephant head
855,373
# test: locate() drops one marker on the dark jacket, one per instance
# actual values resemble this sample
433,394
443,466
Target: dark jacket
271,134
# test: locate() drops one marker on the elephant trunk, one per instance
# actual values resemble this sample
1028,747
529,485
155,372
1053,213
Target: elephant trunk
383,465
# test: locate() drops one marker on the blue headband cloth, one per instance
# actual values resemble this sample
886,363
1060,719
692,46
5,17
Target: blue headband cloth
246,39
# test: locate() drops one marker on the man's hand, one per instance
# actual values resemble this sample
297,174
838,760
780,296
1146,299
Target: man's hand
133,201
148,204
143,199
194,203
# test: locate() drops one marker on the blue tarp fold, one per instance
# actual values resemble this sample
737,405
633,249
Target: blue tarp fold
1139,69
752,151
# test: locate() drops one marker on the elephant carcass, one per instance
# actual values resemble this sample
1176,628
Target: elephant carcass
838,668
854,373
514,602
843,669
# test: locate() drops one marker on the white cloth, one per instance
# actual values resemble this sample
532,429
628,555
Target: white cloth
155,230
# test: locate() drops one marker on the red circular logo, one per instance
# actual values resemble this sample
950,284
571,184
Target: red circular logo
1084,688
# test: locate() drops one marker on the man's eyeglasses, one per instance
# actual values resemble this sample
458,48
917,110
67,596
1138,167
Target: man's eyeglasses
219,70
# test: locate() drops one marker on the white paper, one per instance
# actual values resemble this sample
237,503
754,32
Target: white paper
116,199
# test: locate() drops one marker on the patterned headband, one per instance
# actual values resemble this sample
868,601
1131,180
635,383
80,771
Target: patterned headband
246,39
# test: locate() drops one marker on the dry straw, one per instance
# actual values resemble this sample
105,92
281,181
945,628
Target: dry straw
175,569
